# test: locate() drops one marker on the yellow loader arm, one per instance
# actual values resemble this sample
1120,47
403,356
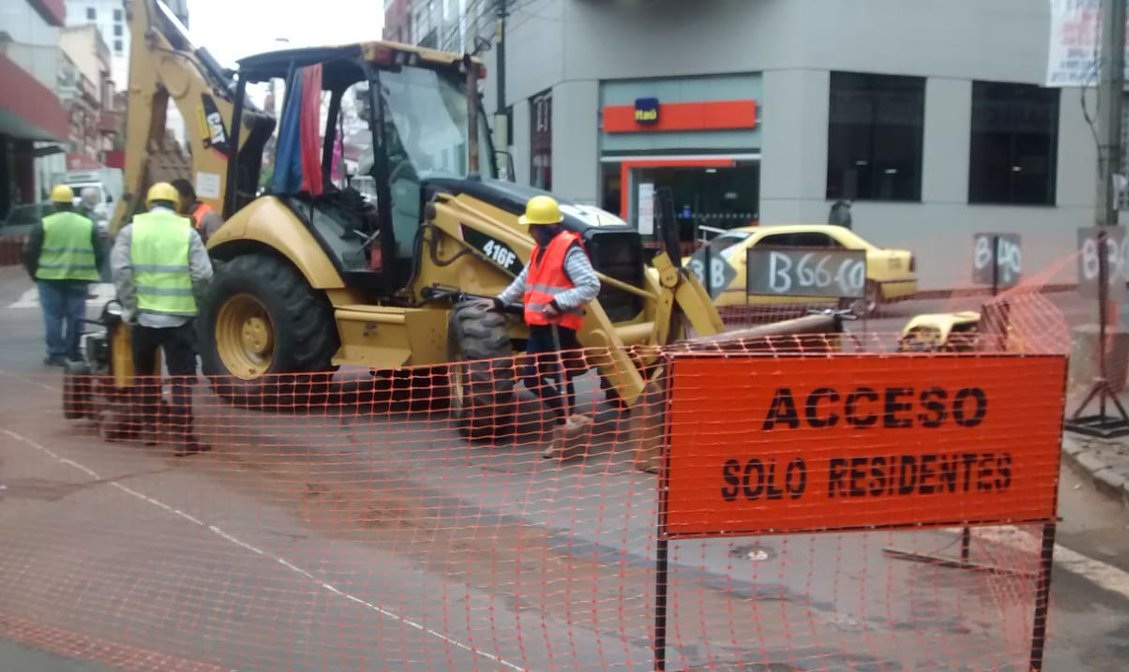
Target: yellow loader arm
165,65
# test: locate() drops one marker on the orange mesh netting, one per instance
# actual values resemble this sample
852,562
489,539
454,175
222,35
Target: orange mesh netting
369,521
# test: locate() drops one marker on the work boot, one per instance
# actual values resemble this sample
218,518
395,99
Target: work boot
55,360
569,438
190,446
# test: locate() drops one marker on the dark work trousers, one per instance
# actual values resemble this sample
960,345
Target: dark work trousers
549,367
179,346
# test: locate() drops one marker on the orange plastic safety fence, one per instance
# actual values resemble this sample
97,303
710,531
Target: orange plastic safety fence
440,519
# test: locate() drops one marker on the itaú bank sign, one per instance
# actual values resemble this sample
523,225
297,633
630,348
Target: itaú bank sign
651,115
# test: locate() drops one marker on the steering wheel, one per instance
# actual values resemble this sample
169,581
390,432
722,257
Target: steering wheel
404,170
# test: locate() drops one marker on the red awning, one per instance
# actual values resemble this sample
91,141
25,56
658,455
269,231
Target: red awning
29,110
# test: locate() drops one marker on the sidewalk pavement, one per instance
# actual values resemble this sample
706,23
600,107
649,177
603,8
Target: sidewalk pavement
1104,461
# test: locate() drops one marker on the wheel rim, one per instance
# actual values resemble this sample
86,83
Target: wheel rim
245,337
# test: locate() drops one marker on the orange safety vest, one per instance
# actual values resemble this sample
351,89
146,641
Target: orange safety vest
198,214
546,279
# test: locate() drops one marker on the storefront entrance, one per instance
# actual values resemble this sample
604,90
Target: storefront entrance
707,193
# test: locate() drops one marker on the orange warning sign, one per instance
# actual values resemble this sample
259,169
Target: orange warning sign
763,445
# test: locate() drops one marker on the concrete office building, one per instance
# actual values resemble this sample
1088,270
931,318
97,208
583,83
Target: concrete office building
32,120
930,114
110,17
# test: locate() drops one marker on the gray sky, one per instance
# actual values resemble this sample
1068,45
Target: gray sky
231,29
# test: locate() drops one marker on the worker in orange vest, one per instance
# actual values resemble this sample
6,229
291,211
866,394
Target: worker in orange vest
206,220
554,287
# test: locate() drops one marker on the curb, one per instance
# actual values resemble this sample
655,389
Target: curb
1090,464
982,291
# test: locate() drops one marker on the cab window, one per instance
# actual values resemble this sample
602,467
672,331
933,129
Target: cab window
804,239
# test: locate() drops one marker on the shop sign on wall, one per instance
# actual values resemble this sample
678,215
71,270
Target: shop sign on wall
647,111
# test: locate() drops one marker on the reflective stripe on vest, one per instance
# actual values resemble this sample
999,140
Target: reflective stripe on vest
159,249
67,253
199,213
547,279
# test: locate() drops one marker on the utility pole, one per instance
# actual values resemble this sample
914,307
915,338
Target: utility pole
1106,211
1110,93
501,119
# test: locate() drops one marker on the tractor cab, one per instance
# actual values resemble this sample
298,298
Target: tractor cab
361,129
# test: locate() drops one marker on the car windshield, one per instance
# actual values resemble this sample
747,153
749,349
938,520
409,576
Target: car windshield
428,129
726,241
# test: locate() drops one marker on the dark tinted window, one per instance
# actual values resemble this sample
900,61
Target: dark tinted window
811,239
875,137
728,240
1014,152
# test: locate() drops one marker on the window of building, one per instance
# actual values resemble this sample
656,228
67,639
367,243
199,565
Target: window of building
1014,153
117,15
117,46
541,141
91,14
875,137
117,30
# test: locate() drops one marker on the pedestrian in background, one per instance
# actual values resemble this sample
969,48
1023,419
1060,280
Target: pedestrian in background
841,213
206,220
158,264
90,206
62,254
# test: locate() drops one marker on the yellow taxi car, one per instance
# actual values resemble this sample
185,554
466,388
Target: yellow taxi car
890,274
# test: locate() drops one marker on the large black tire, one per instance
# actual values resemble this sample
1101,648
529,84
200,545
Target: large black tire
481,373
258,320
78,391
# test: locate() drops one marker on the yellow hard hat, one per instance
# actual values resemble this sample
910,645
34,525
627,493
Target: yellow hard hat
163,191
541,210
62,194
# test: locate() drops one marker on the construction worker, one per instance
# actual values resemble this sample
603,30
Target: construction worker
90,206
556,285
157,262
206,220
62,254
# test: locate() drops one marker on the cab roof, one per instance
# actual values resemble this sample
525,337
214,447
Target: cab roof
277,63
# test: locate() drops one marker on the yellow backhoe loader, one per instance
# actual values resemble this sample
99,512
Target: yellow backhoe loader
314,272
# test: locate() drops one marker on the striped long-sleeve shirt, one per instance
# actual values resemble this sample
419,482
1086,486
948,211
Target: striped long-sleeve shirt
579,270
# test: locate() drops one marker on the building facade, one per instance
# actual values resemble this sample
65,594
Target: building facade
86,89
771,111
449,25
112,22
31,118
110,17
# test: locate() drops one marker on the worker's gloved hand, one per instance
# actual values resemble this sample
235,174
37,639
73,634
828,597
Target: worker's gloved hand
552,310
494,304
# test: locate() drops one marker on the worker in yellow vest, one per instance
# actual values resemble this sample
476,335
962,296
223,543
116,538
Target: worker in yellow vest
158,262
63,254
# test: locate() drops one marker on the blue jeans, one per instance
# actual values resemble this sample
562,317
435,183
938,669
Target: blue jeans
62,301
